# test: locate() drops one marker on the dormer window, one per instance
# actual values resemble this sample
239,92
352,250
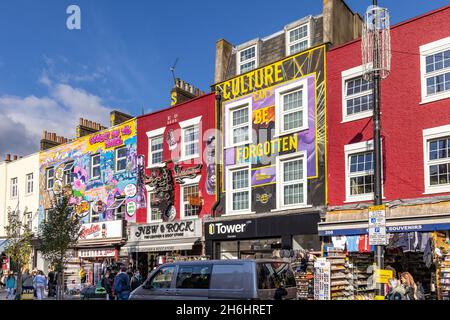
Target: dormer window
247,59
297,39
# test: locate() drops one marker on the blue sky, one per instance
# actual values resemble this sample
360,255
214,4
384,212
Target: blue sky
120,59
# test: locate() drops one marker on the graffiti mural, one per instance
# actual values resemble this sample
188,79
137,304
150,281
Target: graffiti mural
266,97
99,168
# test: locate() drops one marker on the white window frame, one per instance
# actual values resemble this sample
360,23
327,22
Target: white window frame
95,166
116,159
14,188
307,38
426,50
152,135
239,63
351,149
187,124
124,213
279,186
348,75
71,171
150,190
47,178
187,183
431,134
279,92
229,108
92,213
29,182
229,191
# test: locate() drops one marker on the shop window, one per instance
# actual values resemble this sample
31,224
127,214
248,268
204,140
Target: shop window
240,190
190,142
437,159
357,98
291,108
247,59
95,216
50,178
240,125
14,189
359,170
29,183
435,70
189,192
121,159
292,187
156,149
154,213
190,138
297,39
68,173
95,166
119,207
194,277
163,278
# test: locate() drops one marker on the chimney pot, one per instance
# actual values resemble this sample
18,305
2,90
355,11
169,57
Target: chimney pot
8,157
53,136
81,121
15,157
196,92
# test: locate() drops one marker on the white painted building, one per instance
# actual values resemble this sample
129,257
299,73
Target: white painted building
19,189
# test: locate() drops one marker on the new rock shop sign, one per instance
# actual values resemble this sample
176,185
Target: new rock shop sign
164,236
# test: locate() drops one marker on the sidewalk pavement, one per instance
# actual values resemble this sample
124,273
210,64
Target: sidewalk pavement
66,296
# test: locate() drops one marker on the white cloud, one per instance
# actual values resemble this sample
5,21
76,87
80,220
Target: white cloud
24,118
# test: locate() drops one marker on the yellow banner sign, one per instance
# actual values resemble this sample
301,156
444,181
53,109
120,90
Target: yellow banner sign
383,276
267,148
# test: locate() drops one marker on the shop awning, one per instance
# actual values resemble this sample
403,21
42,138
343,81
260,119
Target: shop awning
157,246
393,225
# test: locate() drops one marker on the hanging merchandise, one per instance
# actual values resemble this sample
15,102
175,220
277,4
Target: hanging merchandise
363,244
322,279
352,243
303,267
339,242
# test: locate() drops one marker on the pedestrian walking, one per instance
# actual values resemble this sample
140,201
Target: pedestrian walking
410,286
11,285
136,280
107,284
27,285
40,282
51,283
122,285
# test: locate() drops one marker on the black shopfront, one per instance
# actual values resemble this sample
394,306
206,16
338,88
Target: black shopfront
260,237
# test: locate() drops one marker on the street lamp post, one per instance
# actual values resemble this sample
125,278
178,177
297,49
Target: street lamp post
376,54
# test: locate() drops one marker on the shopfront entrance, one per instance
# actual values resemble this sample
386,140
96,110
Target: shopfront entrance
262,237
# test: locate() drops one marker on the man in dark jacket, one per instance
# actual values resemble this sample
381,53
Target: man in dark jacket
122,285
107,284
51,283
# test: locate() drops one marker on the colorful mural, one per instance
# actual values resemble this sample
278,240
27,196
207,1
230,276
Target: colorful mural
115,181
261,89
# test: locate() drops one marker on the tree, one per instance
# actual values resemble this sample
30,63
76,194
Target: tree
19,247
58,233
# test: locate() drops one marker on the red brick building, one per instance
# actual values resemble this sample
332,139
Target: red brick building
176,180
415,130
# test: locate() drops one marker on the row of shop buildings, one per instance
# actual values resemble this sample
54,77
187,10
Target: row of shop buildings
278,157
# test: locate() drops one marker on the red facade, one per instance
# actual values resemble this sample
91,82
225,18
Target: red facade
403,115
201,111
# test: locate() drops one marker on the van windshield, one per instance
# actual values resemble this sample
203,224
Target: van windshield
273,275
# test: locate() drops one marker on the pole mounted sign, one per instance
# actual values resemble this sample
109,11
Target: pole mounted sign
377,225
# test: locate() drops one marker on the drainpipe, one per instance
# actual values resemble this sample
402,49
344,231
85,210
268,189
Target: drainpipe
218,149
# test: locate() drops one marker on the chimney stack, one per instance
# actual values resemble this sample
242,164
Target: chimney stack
87,127
50,140
183,91
8,157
